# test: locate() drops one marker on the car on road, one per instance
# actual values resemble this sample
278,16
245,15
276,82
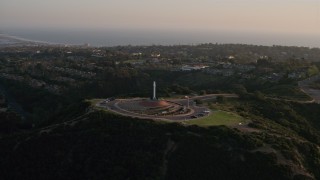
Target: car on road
200,115
103,103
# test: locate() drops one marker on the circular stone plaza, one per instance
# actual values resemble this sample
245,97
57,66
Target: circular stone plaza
154,109
145,108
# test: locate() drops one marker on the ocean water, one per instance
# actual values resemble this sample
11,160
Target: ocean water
155,37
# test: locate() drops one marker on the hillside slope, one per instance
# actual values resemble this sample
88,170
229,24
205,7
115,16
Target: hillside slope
98,145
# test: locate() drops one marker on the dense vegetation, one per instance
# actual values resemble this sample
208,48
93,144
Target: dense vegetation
100,145
64,137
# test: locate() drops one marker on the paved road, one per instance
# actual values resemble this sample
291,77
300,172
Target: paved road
195,110
314,93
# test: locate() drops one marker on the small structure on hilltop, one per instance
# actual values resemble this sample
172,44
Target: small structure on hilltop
152,106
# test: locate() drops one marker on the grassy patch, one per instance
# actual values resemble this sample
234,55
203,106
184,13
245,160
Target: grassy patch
94,101
134,61
217,118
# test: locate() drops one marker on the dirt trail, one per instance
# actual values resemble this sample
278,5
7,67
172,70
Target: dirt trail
281,160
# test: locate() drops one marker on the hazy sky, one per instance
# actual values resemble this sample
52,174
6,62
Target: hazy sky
280,16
